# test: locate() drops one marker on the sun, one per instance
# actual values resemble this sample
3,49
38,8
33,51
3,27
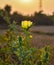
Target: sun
26,1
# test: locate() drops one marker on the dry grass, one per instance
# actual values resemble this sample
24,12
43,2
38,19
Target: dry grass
40,41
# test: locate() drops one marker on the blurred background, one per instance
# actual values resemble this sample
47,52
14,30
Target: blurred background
41,12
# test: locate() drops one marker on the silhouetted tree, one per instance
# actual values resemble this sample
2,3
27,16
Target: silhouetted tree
42,19
7,9
16,17
38,17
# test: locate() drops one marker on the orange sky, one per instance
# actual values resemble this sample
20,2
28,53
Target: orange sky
29,7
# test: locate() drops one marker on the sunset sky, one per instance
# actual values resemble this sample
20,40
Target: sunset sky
29,6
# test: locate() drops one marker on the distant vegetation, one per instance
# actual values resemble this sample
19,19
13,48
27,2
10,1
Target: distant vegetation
38,18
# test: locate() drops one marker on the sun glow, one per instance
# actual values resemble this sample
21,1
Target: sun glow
26,1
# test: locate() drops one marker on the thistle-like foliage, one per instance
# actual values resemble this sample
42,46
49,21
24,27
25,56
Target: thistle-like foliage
16,49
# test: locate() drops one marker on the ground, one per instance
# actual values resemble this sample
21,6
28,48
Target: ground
40,41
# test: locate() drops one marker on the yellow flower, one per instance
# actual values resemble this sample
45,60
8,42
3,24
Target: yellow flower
30,36
26,24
